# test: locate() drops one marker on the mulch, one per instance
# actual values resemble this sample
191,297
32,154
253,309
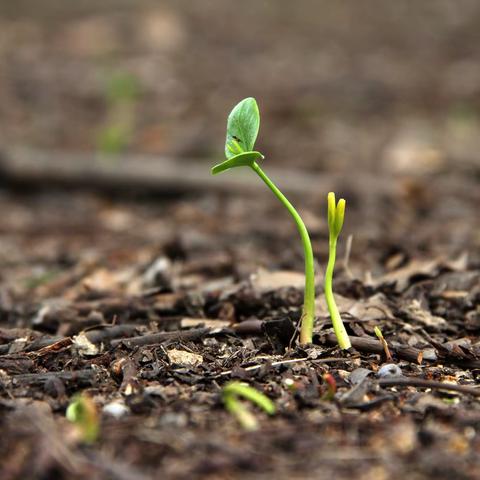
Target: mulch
151,305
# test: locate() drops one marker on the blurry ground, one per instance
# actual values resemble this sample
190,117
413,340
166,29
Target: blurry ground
388,93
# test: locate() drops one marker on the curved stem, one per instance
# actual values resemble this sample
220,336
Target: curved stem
338,327
308,314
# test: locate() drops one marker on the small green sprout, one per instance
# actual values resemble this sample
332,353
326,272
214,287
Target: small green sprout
122,91
230,395
331,386
336,215
82,412
384,343
242,130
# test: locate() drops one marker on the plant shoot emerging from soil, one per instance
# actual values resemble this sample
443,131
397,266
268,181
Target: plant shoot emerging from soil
242,130
336,215
384,343
329,379
230,395
82,412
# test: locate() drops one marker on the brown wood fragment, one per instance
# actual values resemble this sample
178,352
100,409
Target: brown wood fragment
77,376
15,364
423,383
152,338
372,345
56,347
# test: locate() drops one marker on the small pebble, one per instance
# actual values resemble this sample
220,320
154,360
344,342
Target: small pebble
116,409
389,370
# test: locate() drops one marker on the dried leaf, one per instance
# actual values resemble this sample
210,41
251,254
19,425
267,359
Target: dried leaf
265,281
84,346
182,357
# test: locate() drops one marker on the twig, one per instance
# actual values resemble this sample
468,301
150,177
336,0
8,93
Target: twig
81,376
423,383
372,345
152,338
15,364
36,344
286,362
110,332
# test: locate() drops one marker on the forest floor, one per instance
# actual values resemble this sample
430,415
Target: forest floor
150,305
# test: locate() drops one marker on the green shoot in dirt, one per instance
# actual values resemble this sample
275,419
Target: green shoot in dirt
230,395
82,412
122,92
384,343
336,215
242,129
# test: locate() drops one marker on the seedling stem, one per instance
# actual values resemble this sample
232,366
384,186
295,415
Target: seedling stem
308,314
336,214
231,393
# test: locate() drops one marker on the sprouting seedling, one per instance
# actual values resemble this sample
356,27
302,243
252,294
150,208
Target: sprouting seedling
331,386
242,130
230,395
336,215
82,412
384,343
122,92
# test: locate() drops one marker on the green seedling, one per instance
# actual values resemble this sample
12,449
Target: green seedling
336,215
242,130
384,343
122,92
231,394
82,412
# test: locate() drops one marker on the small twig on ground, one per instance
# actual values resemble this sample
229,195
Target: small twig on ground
110,332
286,362
423,383
371,345
81,376
153,338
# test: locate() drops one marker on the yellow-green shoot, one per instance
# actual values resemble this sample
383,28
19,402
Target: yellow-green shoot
384,343
242,130
231,394
336,215
82,412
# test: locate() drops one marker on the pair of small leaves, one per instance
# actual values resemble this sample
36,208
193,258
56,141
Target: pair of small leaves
242,130
336,215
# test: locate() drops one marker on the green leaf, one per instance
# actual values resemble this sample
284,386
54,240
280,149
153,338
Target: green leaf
242,128
336,214
245,159
83,413
332,207
339,216
240,389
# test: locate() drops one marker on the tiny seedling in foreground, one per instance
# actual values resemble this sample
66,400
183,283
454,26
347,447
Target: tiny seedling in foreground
231,394
242,130
384,343
82,412
336,215
331,386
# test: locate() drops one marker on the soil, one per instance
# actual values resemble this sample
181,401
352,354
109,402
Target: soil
150,302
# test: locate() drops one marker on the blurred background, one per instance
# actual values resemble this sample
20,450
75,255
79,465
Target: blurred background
379,101
377,83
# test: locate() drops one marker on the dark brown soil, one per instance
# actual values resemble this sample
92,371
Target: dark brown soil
150,302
